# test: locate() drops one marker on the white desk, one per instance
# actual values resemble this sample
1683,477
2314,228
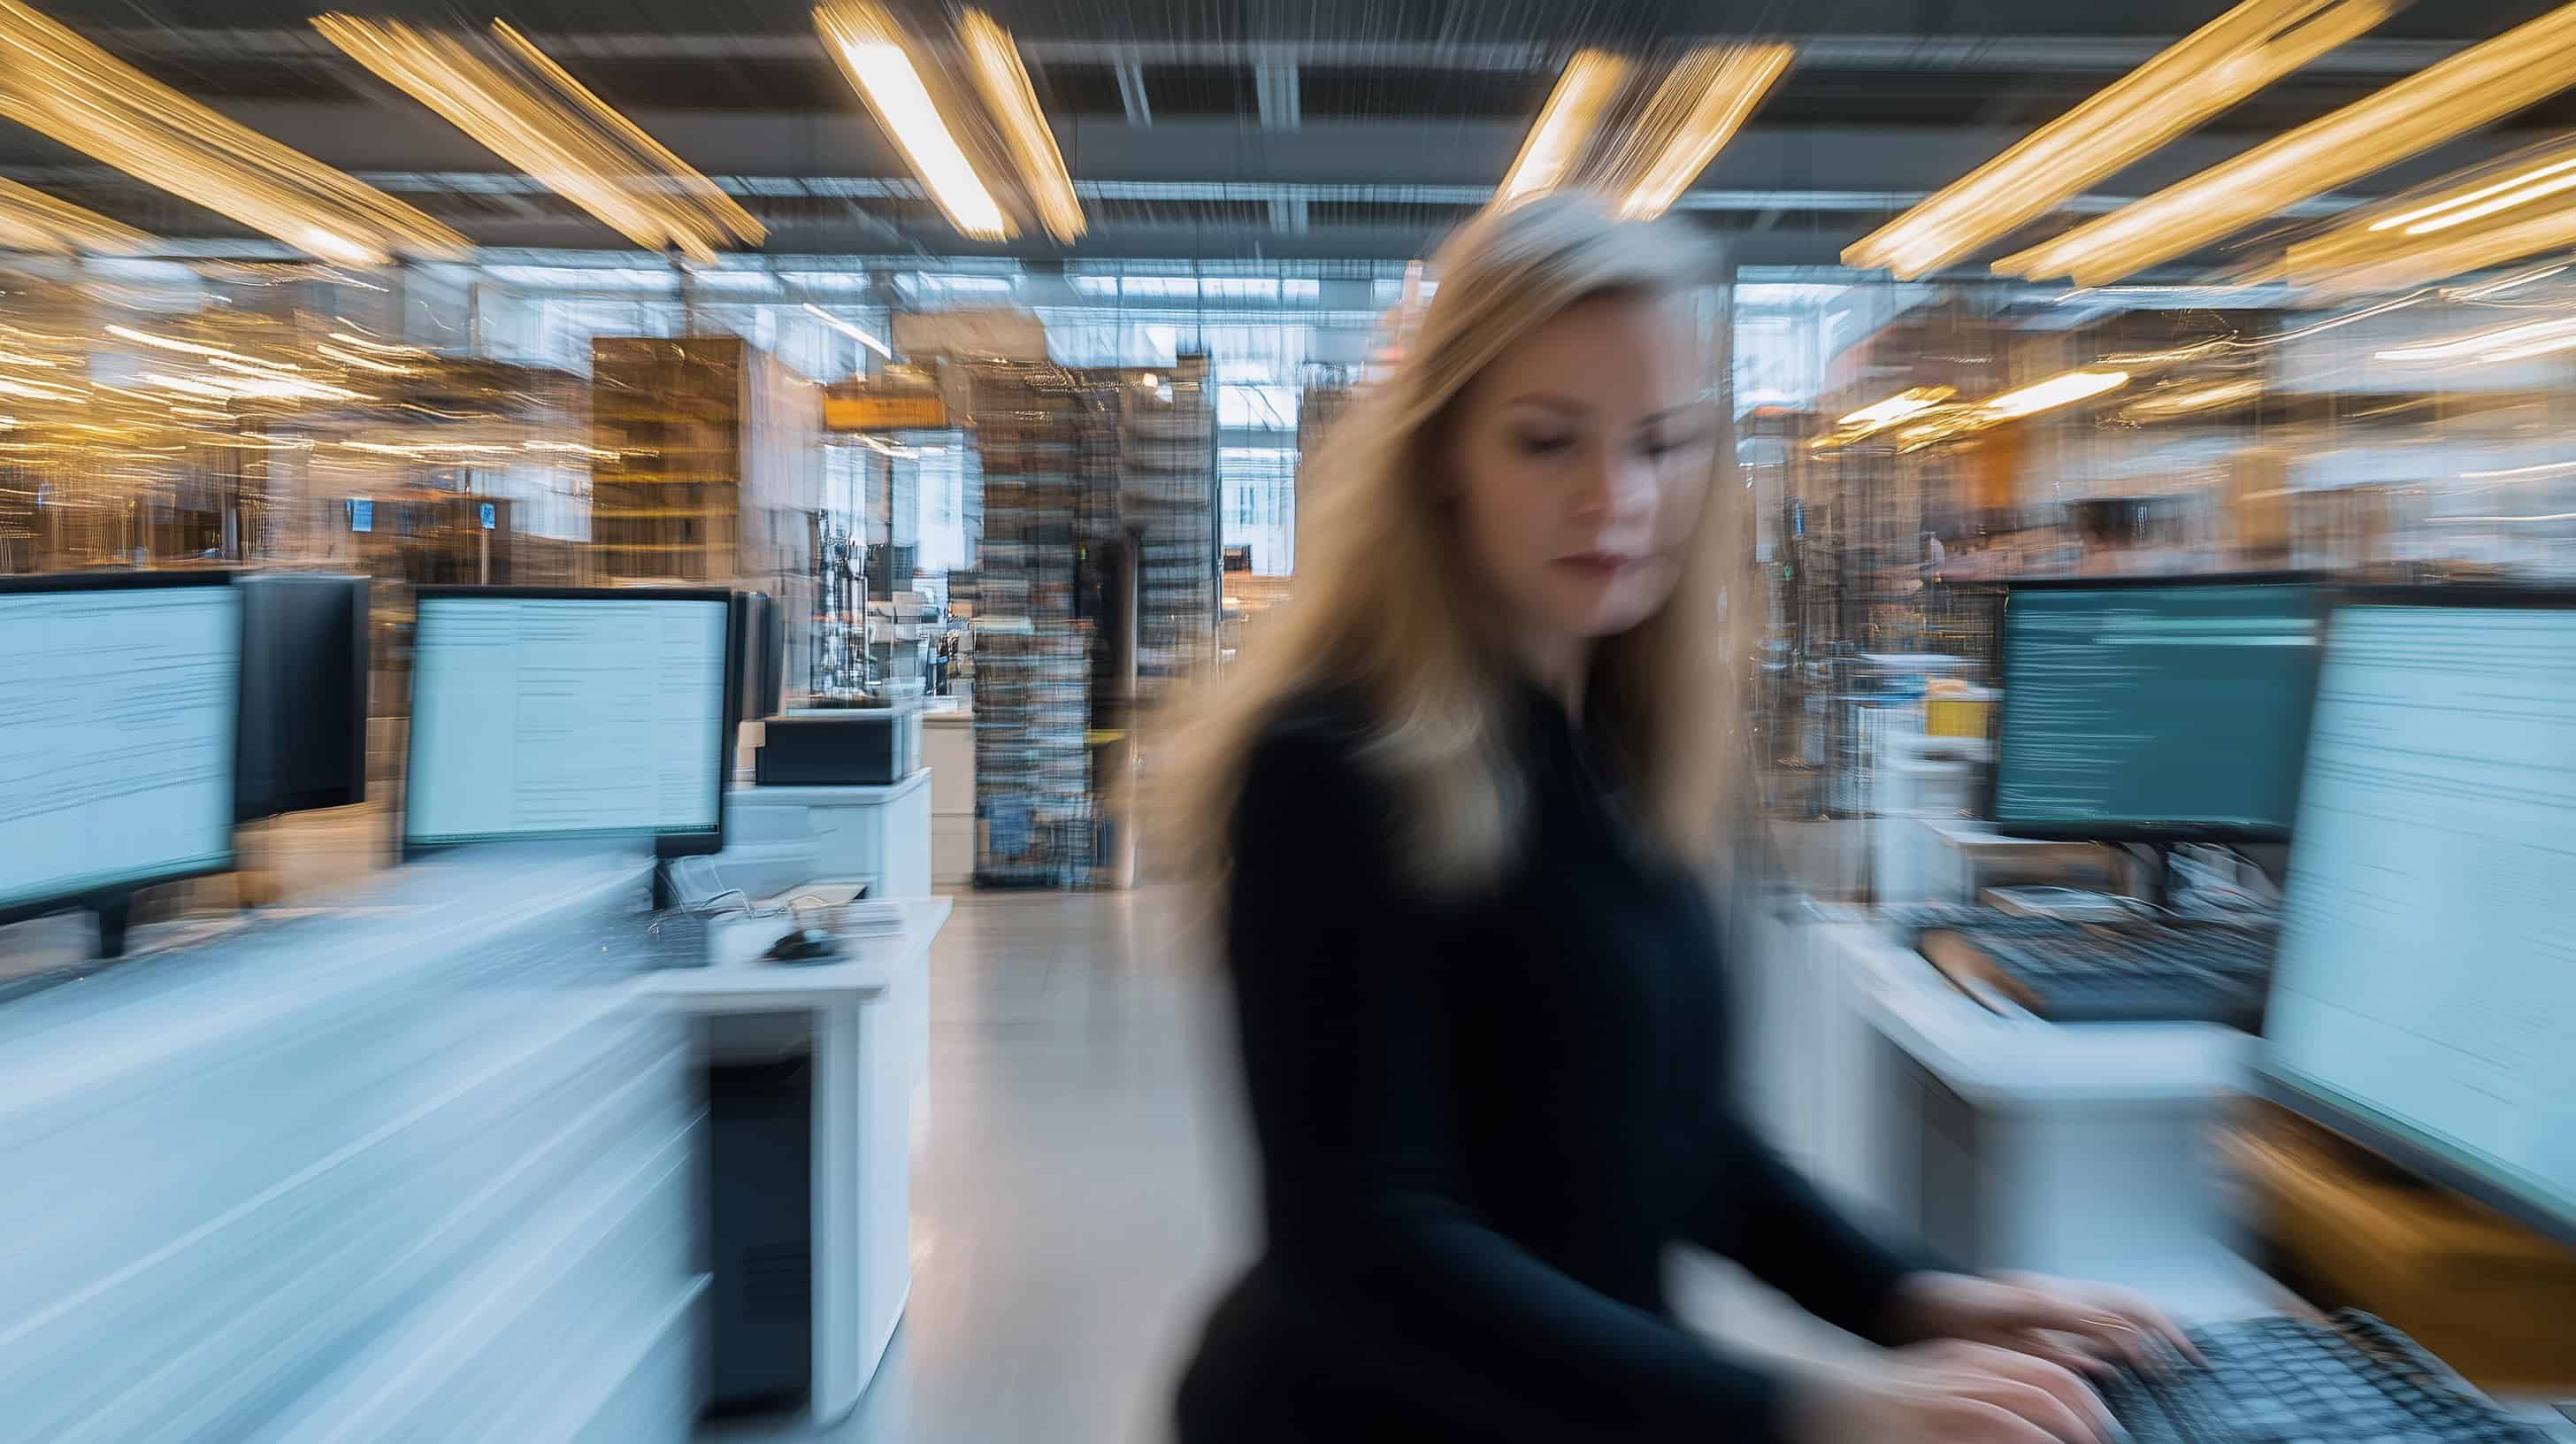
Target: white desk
1949,859
2089,1147
2086,1150
863,1090
782,835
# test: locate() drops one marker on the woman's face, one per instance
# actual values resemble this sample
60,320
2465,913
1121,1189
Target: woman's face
1581,462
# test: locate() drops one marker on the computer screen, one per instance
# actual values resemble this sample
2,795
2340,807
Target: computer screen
305,653
2163,711
756,654
541,713
117,700
2425,995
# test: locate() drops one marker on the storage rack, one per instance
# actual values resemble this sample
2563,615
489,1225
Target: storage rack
716,473
1045,437
1169,499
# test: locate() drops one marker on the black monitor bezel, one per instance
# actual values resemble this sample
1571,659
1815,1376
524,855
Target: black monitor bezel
2122,832
665,844
2393,1139
102,581
360,590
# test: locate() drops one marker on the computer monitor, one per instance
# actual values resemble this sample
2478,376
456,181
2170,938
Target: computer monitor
2424,1000
544,712
760,654
2154,709
303,741
118,701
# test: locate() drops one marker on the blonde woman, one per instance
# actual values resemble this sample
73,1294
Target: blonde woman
1464,815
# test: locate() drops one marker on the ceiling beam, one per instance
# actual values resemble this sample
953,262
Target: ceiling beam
1131,91
2109,54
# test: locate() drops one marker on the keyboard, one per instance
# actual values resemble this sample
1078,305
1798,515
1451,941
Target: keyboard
2279,1380
2071,972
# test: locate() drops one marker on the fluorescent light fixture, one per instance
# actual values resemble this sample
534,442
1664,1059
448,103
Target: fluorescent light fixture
39,391
365,363
846,329
31,220
2185,85
173,343
1556,139
2486,216
2509,283
2056,391
1696,111
1896,408
2451,97
518,103
2183,400
57,83
2505,194
2503,343
863,38
1004,83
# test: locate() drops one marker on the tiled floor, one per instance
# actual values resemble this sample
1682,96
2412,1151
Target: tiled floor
1076,1198
1080,1194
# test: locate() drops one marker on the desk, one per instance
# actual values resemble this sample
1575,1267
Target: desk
2258,1293
406,1167
1951,859
2086,1150
863,1090
880,834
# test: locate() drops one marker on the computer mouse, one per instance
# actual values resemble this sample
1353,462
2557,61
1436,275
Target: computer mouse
805,945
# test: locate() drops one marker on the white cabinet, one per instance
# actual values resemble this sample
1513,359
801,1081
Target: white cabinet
948,749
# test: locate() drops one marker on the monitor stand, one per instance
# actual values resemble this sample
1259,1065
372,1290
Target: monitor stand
114,915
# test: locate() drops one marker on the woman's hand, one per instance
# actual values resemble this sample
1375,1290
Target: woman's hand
2074,1325
1949,1392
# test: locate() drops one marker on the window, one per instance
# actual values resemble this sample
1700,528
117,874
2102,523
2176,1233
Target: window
1267,408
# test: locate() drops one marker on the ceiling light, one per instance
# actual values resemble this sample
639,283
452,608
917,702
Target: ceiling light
518,103
863,38
853,332
2054,392
1004,82
2498,288
2185,85
2453,96
2486,345
347,339
2512,191
39,391
352,358
55,82
1564,125
31,220
2485,216
173,343
1696,111
1897,407
2180,401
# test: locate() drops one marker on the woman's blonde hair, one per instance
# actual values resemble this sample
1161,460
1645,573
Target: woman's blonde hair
1386,609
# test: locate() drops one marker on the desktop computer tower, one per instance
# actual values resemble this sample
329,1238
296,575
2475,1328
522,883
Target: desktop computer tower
760,1216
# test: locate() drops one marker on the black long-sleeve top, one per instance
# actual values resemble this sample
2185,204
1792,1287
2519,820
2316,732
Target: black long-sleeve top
1482,1123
